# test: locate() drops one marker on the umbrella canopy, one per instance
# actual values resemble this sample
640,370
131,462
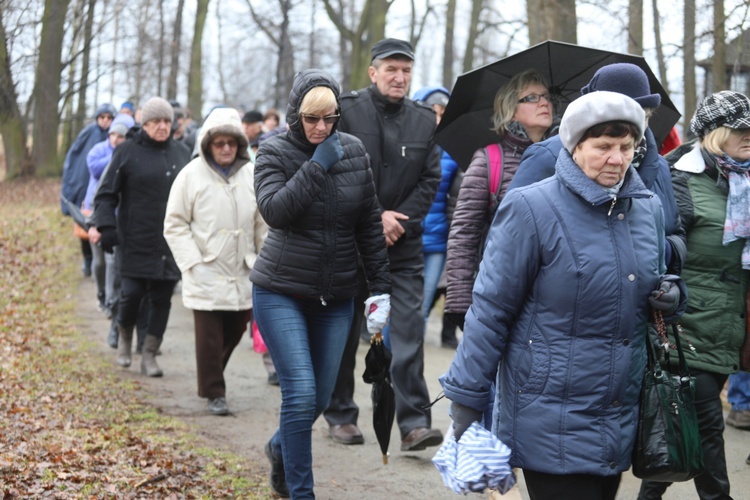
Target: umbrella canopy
76,214
377,373
477,461
465,126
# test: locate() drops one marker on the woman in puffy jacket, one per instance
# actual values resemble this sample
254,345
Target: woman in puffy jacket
214,230
315,191
560,309
712,189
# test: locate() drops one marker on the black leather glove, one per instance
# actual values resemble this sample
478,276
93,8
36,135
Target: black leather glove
457,319
666,298
463,417
108,240
328,152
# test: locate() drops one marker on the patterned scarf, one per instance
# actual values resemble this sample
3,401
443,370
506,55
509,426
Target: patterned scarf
737,222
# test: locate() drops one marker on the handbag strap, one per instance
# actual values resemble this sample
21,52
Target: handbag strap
661,330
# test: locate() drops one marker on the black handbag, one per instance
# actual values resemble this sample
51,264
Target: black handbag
667,444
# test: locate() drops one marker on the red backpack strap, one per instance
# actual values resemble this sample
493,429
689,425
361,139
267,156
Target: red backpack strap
494,173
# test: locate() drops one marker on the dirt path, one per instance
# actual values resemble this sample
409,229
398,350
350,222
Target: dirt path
341,472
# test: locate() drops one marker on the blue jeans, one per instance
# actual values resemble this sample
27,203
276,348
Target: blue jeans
739,391
433,269
306,341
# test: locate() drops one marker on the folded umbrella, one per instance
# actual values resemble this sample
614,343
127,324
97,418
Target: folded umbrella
377,373
76,214
479,460
466,124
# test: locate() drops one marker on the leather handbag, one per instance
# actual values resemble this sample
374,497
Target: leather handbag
668,444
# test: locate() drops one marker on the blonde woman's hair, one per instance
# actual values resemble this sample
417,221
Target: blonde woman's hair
507,97
714,141
318,101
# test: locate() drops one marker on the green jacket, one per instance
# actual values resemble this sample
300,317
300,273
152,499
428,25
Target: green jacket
714,322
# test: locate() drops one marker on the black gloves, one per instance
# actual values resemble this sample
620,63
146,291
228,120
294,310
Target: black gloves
328,152
108,240
463,417
457,319
667,298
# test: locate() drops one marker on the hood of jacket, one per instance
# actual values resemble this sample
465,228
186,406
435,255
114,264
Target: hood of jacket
304,82
223,121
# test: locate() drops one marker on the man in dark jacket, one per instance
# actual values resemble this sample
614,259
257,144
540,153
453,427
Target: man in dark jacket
397,134
538,161
129,209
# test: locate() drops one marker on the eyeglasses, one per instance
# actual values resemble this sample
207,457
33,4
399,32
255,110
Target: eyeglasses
535,98
314,119
222,144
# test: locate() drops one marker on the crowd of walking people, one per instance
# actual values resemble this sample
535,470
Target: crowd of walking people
553,248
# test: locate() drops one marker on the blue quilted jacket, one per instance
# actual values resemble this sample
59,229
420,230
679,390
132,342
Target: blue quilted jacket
436,223
560,309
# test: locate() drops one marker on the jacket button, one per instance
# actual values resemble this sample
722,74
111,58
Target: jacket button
620,216
631,277
612,465
626,342
616,404
163,257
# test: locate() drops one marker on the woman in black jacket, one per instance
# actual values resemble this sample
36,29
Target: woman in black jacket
315,191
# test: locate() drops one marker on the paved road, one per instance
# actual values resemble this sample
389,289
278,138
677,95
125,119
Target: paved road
341,472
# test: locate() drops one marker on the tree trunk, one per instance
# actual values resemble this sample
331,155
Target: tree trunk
160,69
450,23
115,39
635,26
551,20
87,42
719,66
195,82
688,66
68,116
220,56
12,128
174,65
476,12
659,49
285,66
47,88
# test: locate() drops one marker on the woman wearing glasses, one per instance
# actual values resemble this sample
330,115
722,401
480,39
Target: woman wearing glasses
523,116
315,191
214,231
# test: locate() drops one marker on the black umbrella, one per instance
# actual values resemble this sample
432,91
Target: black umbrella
377,373
77,215
465,126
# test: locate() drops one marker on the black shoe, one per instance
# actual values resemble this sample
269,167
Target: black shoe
273,378
218,406
278,478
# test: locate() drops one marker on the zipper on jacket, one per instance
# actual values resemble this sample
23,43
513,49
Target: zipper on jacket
323,301
612,206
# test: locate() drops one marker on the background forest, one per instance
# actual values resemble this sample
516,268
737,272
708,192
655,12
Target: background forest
60,58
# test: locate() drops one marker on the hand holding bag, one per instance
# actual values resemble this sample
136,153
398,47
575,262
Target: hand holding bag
667,443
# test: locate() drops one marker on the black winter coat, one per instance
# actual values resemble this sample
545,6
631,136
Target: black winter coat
132,196
405,160
318,221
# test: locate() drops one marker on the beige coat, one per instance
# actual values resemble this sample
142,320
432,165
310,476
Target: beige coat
212,224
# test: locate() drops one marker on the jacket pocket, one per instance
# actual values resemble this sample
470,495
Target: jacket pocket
530,361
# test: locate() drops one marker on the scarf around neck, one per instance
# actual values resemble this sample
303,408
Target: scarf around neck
737,220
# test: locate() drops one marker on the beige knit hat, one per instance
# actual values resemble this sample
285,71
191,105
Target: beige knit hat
156,108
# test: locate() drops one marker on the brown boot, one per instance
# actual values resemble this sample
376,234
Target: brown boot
148,359
124,345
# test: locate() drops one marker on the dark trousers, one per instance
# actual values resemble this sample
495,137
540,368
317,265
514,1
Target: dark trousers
159,292
217,333
714,482
407,347
543,486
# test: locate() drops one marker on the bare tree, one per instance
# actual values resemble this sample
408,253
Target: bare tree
659,48
174,65
719,66
12,128
551,20
220,56
450,23
635,26
688,65
195,81
84,82
47,88
160,66
476,12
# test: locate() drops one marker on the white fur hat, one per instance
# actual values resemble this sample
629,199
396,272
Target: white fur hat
595,108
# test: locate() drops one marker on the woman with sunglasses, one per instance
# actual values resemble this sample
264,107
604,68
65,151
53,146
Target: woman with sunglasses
315,191
523,116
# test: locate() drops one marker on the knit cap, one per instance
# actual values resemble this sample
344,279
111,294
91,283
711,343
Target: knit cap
595,108
121,124
624,78
155,109
723,109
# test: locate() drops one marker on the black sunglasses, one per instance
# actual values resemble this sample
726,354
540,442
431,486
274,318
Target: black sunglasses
314,119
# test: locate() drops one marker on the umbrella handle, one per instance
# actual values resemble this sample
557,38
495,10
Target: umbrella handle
377,338
385,458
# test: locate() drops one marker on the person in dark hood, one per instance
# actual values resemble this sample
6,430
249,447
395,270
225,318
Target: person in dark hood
315,191
75,177
129,209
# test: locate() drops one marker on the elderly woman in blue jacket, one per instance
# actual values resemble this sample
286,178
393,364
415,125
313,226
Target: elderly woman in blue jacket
560,308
